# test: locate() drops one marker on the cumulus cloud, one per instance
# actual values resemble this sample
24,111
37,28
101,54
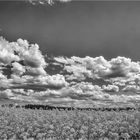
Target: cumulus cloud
39,82
79,91
66,95
99,67
29,74
18,69
83,90
5,83
21,50
110,88
7,53
2,76
21,91
78,72
120,72
24,60
132,88
123,67
35,71
85,67
33,57
54,80
63,60
6,94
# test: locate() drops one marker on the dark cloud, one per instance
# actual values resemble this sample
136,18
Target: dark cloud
116,72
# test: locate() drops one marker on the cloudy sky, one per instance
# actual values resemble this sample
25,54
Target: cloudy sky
78,50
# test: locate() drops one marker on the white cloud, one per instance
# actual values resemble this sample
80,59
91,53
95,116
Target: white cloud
123,67
28,69
63,60
109,88
7,57
54,80
6,94
33,57
24,50
82,90
35,71
18,90
38,81
12,53
79,72
5,83
132,88
21,50
57,80
6,52
117,71
18,69
2,76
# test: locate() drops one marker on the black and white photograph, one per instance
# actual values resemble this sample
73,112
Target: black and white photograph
69,70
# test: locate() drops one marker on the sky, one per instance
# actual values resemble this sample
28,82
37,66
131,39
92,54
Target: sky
72,51
78,28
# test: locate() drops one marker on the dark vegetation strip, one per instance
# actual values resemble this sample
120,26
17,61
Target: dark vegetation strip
49,107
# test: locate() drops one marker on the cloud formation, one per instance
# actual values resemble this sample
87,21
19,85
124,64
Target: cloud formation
99,67
17,68
27,65
110,88
26,74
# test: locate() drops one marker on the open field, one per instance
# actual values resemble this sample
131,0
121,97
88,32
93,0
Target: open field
27,124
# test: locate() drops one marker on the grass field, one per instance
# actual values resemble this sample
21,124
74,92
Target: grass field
27,124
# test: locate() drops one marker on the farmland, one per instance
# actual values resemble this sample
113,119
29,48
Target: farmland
29,124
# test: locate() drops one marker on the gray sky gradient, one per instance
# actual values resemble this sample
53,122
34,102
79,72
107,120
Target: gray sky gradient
76,28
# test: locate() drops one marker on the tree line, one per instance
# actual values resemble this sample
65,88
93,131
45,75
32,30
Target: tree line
49,107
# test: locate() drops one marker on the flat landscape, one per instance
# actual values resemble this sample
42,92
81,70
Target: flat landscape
30,124
69,70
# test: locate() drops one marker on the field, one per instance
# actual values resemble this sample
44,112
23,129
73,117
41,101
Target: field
27,124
